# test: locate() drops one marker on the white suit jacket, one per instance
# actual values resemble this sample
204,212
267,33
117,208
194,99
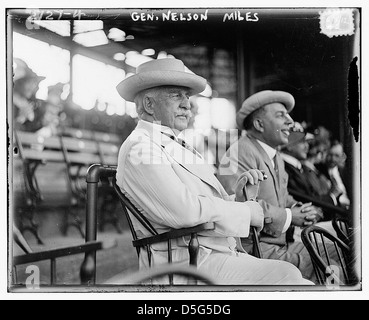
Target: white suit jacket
174,188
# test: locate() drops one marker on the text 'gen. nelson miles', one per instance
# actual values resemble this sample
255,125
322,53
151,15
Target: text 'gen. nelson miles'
190,16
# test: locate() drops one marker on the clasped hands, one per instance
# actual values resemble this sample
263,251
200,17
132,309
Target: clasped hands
303,214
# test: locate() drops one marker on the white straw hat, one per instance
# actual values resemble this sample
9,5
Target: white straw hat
261,99
161,72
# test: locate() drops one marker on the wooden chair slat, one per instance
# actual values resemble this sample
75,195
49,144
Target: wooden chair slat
45,155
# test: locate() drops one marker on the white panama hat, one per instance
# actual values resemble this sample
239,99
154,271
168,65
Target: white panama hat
161,72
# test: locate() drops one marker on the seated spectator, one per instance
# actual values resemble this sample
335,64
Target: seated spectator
333,168
53,108
265,117
295,154
315,156
28,111
323,137
174,187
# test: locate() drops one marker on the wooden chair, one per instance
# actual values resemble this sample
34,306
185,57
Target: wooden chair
105,137
76,133
342,228
316,241
53,255
102,148
107,143
111,138
98,172
31,151
78,154
73,154
20,240
108,151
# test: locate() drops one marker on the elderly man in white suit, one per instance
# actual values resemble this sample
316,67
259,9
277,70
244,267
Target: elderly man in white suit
174,188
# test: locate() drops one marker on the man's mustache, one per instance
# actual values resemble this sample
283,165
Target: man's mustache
187,114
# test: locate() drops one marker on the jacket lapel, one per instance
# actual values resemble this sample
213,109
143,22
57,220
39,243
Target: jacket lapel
269,164
180,155
198,167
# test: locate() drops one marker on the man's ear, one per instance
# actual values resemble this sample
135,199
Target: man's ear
148,105
258,125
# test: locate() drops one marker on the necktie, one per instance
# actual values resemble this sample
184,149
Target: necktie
183,143
276,167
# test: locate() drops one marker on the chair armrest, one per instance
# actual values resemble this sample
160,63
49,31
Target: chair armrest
143,277
62,252
173,234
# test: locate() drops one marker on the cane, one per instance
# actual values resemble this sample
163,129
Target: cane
253,197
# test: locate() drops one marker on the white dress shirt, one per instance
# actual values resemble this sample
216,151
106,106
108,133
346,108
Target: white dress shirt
335,176
292,161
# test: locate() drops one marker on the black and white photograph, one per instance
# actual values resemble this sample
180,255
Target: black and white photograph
183,149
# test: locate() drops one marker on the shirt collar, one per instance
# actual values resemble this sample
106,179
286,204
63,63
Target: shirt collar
271,152
291,160
334,171
166,134
157,130
310,165
164,129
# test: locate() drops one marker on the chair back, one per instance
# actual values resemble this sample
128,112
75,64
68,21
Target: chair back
319,243
97,173
127,207
341,226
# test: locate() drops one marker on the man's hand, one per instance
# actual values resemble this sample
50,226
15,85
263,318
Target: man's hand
251,177
304,215
257,215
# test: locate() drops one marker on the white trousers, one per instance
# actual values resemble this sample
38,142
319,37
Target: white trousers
245,269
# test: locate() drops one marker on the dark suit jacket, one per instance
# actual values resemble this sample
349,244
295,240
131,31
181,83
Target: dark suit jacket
300,181
343,173
245,154
319,182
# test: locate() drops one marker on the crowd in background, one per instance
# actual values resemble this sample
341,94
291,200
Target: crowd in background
314,161
319,159
316,165
46,116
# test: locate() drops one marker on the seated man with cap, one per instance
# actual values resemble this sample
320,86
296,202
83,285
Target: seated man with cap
174,187
295,154
265,117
